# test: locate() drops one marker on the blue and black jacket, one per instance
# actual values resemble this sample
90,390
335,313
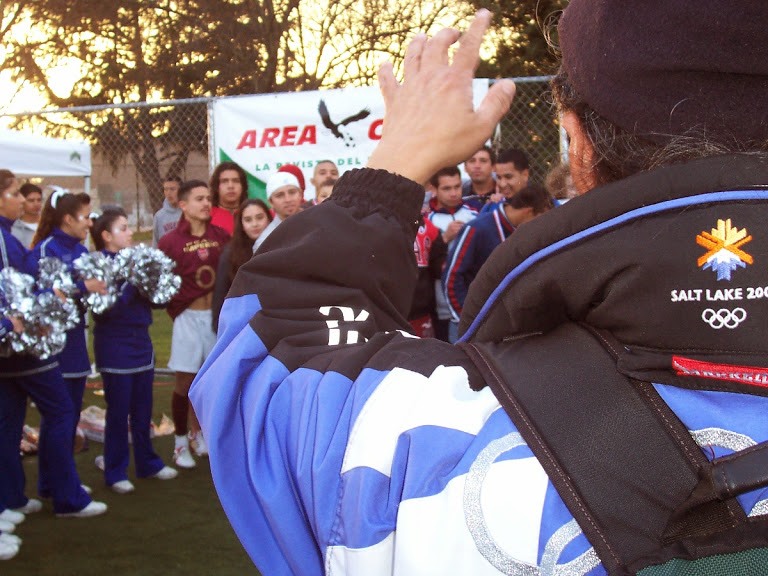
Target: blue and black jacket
340,445
474,244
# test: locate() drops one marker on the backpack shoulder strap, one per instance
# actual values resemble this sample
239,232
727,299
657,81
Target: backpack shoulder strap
626,467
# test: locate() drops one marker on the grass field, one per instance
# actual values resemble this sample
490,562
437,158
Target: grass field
164,528
160,332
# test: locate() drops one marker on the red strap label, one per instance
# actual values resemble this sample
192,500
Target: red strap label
750,375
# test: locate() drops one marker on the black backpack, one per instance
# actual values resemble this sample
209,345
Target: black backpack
639,486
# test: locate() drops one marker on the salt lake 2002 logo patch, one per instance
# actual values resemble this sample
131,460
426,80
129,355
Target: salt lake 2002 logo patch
724,254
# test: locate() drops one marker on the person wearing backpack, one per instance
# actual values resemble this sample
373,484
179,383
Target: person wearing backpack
604,409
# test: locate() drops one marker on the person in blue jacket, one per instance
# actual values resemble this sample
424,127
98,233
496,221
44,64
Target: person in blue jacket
604,409
23,376
512,171
9,543
480,237
126,361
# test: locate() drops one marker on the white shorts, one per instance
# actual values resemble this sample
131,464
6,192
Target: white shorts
192,340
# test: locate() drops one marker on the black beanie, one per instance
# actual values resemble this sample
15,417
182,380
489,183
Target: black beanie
661,67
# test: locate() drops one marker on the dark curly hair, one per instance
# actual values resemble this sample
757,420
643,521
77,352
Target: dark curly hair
216,177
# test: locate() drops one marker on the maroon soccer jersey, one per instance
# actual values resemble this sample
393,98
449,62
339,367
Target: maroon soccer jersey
197,258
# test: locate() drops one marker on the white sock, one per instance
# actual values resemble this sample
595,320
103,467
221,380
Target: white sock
181,441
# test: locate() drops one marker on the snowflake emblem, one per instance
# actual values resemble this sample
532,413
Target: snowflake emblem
724,254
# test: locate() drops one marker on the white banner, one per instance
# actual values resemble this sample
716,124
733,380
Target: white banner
263,132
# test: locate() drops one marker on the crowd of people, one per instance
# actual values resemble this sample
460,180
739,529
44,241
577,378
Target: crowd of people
473,216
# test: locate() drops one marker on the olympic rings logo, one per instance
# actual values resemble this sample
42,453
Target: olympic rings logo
724,318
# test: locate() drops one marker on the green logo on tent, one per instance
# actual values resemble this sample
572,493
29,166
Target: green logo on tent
75,157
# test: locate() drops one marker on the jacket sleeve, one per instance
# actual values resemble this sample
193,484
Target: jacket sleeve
128,293
488,208
32,266
278,394
459,269
164,246
31,262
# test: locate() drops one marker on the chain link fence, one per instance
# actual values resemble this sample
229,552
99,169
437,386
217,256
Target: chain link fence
135,146
532,126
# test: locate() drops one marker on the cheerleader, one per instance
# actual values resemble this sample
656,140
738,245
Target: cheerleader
23,376
125,359
63,227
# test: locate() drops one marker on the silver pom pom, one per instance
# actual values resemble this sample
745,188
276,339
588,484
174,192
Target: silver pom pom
151,271
97,265
45,335
46,317
17,291
55,275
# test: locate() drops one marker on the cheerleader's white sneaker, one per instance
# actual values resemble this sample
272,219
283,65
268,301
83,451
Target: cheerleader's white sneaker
182,457
166,473
10,539
32,506
123,487
93,509
12,516
8,551
198,443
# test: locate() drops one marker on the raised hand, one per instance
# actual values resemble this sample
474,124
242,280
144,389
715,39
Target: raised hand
430,120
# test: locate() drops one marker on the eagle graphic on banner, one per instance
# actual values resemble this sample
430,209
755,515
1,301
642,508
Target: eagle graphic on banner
336,128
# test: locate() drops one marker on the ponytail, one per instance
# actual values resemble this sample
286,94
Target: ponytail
59,204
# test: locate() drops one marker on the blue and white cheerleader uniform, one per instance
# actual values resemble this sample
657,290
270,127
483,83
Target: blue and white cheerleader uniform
23,376
126,361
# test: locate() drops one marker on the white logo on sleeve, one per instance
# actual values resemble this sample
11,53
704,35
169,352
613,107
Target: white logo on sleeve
347,315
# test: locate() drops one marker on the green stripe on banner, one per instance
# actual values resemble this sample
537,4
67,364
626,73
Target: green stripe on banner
256,188
747,563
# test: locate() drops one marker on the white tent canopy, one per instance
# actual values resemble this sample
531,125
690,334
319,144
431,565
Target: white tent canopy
29,155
